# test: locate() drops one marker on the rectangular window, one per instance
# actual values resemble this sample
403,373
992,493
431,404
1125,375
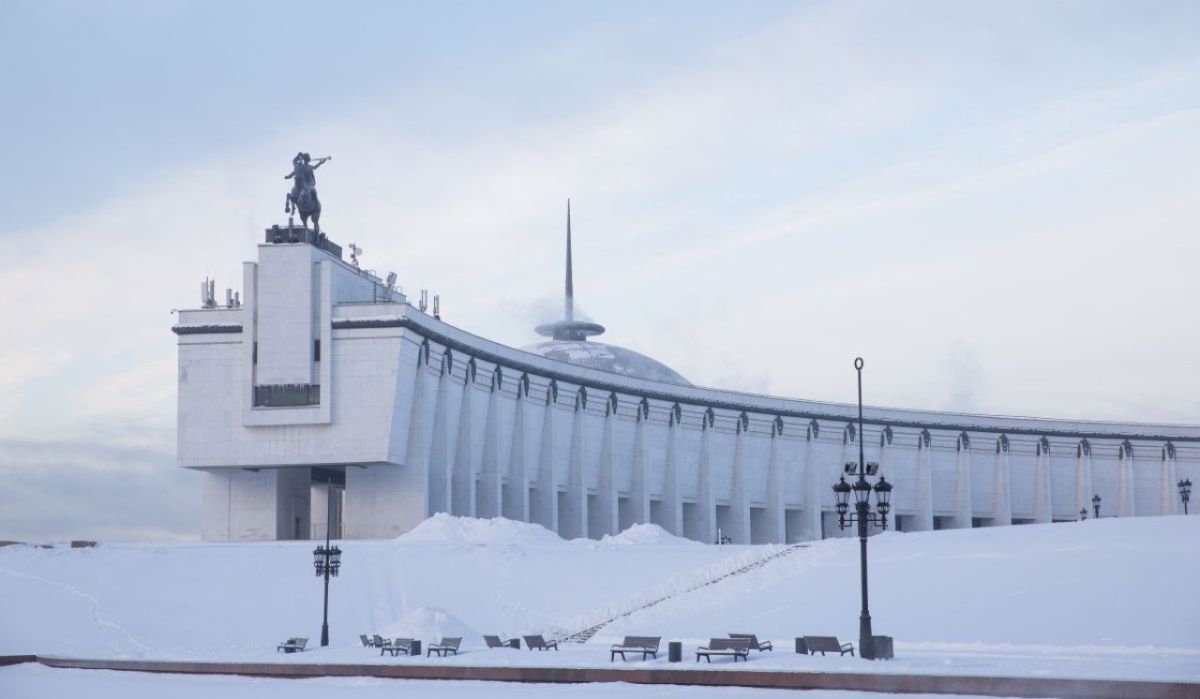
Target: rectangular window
287,395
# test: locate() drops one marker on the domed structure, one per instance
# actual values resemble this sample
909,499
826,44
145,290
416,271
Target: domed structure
570,342
606,357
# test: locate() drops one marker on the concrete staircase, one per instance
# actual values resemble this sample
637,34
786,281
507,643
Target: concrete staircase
585,635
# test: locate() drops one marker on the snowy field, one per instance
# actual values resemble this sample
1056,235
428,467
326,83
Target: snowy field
30,681
1111,598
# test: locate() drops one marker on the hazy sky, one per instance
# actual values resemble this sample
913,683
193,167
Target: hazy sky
996,204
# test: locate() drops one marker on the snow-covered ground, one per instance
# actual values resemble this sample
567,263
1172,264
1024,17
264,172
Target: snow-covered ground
36,682
1110,598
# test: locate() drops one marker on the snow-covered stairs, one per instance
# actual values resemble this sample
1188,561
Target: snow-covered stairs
585,635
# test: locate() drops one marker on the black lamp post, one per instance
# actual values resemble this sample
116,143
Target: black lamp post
1185,492
1096,505
862,515
326,560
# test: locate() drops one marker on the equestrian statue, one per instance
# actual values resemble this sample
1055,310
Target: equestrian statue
303,197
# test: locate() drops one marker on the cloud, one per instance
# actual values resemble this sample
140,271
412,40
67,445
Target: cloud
59,490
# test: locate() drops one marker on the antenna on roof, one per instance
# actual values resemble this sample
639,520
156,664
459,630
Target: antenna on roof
355,251
437,307
423,304
391,286
208,293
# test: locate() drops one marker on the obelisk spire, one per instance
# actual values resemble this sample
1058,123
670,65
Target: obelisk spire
570,301
568,329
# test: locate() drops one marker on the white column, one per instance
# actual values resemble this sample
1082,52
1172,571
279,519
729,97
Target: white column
605,516
672,498
962,487
1168,501
573,517
439,474
739,503
544,502
706,504
462,470
1083,477
885,457
490,503
639,494
1001,493
776,484
416,456
923,497
1126,502
811,514
1042,500
516,496
849,454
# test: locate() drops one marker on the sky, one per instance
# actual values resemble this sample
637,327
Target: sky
994,203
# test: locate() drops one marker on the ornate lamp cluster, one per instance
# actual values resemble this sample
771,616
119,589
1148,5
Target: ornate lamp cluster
327,560
862,490
1185,492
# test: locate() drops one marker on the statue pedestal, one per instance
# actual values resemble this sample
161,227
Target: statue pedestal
299,234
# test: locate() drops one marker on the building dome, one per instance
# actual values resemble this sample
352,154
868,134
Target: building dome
606,357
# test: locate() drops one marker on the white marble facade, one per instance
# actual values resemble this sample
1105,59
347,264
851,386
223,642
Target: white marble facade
414,416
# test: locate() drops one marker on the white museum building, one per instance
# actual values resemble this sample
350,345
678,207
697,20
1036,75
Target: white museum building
319,374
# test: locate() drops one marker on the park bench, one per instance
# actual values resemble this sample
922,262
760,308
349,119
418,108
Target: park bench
367,642
495,642
292,645
396,646
377,641
754,642
827,643
447,645
539,643
646,645
737,647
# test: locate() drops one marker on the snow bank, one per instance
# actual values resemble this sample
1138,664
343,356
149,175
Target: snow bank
432,624
447,529
647,535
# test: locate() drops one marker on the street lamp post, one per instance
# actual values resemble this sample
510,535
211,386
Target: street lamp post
1185,492
862,515
327,560
1096,505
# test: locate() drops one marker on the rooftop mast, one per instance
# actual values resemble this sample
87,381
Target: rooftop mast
570,310
569,329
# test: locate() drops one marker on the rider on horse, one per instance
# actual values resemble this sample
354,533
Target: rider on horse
303,197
